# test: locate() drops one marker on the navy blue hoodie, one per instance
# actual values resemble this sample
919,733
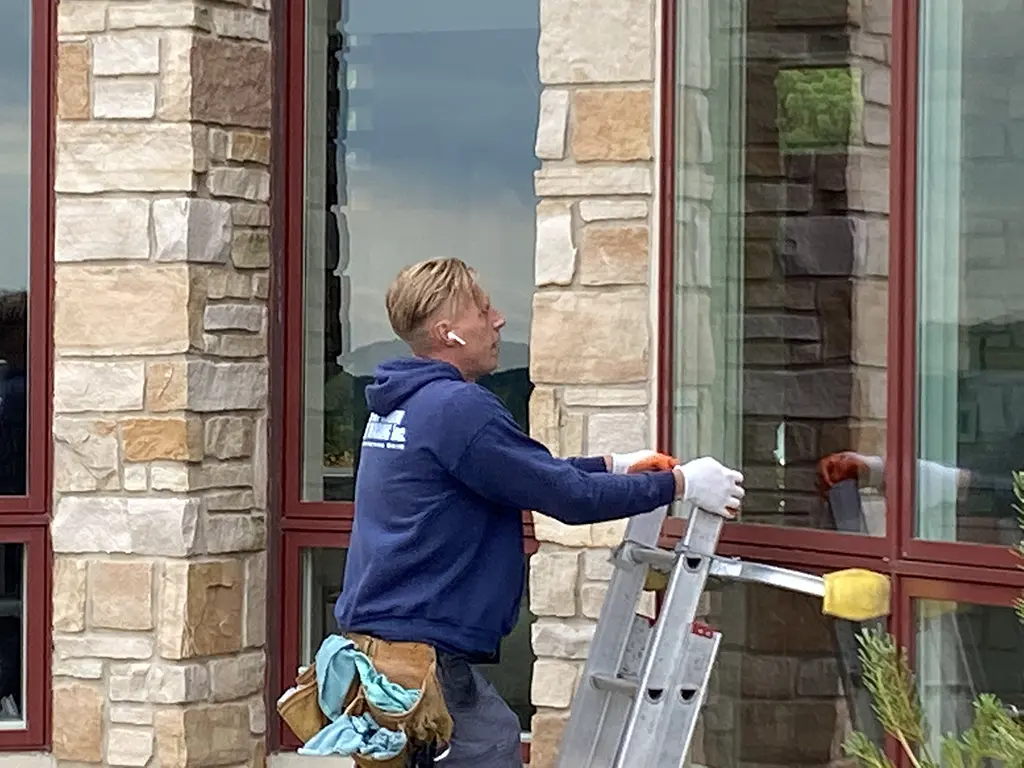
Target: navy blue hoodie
436,552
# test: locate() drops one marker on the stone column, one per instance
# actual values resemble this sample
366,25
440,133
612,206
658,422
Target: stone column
590,344
160,391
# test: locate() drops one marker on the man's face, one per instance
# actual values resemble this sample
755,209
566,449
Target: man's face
479,325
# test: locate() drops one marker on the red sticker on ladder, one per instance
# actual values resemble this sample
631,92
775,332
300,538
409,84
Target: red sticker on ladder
702,629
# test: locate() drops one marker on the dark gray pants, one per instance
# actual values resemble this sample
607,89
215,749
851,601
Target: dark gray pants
486,731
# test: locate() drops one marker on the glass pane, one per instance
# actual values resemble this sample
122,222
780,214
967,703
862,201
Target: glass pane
12,613
323,571
420,130
785,690
965,650
14,259
970,282
782,252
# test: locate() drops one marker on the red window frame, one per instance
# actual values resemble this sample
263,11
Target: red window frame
298,524
25,519
965,572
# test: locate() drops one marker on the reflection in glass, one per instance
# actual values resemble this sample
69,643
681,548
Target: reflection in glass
970,281
15,87
322,573
965,650
786,688
420,133
12,616
782,254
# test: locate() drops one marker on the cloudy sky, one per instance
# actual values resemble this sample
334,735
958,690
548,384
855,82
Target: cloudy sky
441,160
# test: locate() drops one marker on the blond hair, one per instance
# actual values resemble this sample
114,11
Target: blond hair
423,289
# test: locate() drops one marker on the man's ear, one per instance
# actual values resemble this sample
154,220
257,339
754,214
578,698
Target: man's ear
438,333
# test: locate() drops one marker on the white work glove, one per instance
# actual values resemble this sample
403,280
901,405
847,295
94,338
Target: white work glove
932,474
641,461
710,485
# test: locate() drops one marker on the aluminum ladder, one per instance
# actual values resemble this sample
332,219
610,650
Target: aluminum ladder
644,685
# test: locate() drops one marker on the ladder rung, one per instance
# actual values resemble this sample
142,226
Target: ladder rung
625,685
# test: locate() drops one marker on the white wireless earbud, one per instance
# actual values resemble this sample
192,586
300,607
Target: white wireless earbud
454,337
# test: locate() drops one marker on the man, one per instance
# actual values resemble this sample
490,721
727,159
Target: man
436,553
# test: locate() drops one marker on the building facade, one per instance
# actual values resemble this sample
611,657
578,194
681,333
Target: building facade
767,230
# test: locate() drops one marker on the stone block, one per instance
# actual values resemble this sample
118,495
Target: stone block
546,731
256,600
555,254
201,609
577,180
159,683
130,54
231,82
768,677
229,501
175,100
85,455
249,318
101,228
250,249
148,526
166,386
597,565
82,669
228,437
592,599
249,147
80,386
596,41
257,715
613,350
553,579
612,255
130,714
106,646
225,533
92,303
562,639
77,723
69,592
78,17
870,322
241,23
220,474
226,386
548,529
553,683
605,397
171,439
121,595
192,229
244,183
616,432
129,746
237,676
818,246
551,124
127,156
136,477
74,95
123,99
169,13
602,210
251,215
203,735
228,283
608,534
612,124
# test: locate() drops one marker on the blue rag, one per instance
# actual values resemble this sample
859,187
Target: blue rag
337,662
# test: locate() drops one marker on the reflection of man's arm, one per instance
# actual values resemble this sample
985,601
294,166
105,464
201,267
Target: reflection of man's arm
869,472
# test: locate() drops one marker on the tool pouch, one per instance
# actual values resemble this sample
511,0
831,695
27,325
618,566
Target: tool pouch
413,666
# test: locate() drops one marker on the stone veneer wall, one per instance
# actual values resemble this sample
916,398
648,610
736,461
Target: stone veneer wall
160,343
591,341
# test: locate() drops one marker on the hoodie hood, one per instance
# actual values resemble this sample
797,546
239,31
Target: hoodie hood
396,380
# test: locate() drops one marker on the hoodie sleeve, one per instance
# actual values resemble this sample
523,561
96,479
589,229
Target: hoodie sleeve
588,463
507,467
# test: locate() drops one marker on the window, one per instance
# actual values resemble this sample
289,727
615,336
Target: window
842,277
27,37
409,134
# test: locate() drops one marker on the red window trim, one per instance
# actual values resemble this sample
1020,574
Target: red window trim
25,519
898,545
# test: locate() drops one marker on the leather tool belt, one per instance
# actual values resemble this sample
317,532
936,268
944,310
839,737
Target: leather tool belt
412,665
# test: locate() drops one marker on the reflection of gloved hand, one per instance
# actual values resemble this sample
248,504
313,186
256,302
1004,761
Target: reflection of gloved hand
711,486
642,461
846,465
